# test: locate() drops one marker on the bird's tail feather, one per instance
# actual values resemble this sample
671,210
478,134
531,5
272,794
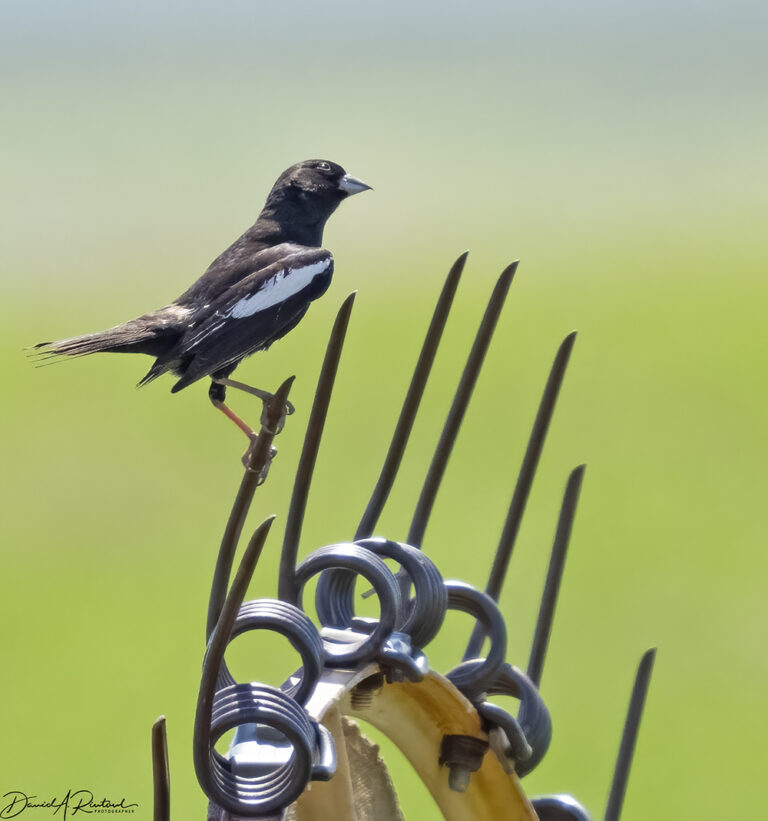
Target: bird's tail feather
158,369
140,335
77,345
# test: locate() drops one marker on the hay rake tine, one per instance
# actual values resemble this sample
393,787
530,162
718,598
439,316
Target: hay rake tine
459,406
161,777
629,736
554,575
523,485
310,449
258,461
412,401
217,643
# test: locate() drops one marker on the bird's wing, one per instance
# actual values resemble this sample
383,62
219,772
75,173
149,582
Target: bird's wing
255,311
239,261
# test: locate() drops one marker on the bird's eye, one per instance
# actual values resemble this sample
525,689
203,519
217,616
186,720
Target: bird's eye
323,166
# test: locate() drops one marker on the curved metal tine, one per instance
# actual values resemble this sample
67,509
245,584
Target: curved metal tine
554,575
629,736
259,458
523,485
306,467
161,772
217,642
459,406
412,401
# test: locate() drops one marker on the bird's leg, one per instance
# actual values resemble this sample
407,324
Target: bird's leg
217,393
265,396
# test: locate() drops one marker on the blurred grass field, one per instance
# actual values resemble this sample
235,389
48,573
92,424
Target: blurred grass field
637,216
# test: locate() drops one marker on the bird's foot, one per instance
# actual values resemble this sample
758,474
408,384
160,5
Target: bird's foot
266,421
248,458
266,397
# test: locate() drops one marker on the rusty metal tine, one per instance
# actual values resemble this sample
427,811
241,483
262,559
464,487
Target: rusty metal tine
161,776
523,485
258,460
459,406
310,448
629,736
412,401
554,575
217,643
528,468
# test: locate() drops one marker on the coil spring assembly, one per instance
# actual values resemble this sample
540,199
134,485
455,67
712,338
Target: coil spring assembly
261,787
278,749
291,622
279,745
354,560
334,598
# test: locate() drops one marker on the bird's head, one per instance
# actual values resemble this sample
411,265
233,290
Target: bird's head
310,191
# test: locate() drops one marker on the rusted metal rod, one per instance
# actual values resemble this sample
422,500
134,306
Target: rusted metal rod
306,467
459,406
161,776
258,461
412,401
523,485
554,575
629,736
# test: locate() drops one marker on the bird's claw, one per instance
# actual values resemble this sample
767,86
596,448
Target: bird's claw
248,457
266,422
254,437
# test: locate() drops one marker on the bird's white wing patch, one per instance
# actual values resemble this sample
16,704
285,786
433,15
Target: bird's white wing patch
282,286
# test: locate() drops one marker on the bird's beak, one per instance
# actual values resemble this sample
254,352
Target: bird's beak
351,185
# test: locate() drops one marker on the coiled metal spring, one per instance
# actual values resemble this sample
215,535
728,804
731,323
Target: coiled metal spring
334,598
291,622
335,608
269,786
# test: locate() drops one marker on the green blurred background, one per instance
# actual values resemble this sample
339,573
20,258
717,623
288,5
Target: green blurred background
618,150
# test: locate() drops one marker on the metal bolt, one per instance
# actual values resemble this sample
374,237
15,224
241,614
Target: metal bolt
362,695
458,777
463,755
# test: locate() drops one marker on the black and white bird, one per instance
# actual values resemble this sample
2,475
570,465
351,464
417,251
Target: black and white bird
251,295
